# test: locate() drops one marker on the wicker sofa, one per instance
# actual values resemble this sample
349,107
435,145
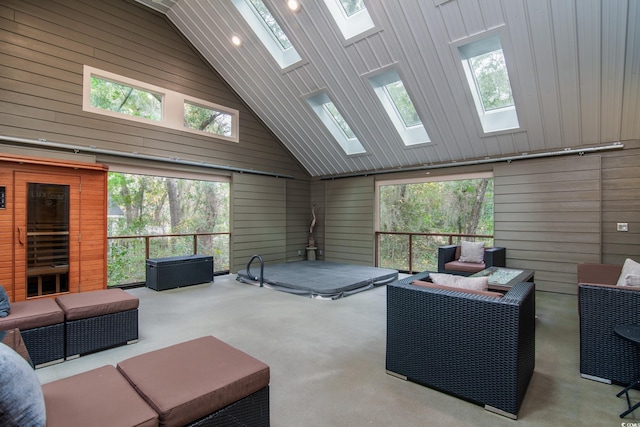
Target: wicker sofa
602,306
478,348
448,260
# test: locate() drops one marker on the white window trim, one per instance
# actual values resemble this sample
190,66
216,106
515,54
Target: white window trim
410,135
284,57
494,121
351,146
350,26
172,105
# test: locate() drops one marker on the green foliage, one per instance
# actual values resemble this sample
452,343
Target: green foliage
490,71
272,24
401,100
111,96
146,205
207,119
454,207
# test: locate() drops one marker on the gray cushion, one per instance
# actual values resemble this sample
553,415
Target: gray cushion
455,281
471,252
21,399
5,307
629,268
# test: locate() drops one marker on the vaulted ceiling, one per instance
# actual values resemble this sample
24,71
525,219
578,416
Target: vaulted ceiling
574,67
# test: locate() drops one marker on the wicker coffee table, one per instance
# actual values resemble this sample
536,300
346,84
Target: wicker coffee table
503,279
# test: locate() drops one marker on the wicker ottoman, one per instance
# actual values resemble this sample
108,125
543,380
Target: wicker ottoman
41,324
100,397
202,382
98,320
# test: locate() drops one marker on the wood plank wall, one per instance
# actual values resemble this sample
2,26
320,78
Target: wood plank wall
547,215
298,218
43,47
258,209
349,221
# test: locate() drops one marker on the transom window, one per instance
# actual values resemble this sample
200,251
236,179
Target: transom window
118,96
335,122
397,103
269,31
486,71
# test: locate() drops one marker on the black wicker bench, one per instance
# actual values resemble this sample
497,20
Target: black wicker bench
98,320
475,347
41,324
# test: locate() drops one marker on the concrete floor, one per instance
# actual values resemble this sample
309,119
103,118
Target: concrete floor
327,359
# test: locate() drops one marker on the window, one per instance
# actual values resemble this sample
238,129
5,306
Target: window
438,208
207,119
351,16
265,26
396,101
118,96
124,99
336,123
486,72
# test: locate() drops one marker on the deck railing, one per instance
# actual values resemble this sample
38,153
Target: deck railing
415,252
127,255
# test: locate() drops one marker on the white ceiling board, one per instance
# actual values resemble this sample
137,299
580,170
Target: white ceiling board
574,68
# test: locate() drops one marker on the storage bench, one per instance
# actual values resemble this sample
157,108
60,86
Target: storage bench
41,324
98,320
201,382
178,271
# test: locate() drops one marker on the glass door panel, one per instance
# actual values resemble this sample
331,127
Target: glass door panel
47,238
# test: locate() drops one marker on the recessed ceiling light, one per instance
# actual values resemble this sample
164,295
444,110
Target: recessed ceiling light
236,40
294,5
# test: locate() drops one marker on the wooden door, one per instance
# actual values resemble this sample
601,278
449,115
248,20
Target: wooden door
47,236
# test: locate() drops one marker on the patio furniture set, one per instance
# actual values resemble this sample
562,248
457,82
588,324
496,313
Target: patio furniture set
202,382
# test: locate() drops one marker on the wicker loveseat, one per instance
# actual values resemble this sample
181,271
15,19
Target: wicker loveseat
602,306
448,260
475,347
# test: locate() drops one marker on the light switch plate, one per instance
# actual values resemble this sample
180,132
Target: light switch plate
623,226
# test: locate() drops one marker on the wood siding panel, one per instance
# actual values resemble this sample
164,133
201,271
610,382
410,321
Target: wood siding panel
255,233
349,221
549,237
58,38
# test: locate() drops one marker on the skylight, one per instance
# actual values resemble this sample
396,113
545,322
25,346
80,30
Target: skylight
265,26
336,123
351,16
487,74
397,103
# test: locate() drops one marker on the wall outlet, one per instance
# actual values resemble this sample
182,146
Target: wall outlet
623,226
299,252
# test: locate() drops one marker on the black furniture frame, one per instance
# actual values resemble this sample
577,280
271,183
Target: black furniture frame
476,347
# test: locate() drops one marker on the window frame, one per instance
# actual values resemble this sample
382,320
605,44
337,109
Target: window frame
350,146
172,105
354,27
286,58
410,135
495,121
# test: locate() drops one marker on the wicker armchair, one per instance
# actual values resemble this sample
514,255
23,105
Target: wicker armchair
602,306
478,348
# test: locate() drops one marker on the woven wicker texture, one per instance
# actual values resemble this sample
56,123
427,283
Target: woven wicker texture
478,348
100,332
45,344
603,354
252,410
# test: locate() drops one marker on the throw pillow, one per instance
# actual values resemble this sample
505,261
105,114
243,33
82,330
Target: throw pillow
471,252
632,280
629,267
455,281
21,399
5,307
